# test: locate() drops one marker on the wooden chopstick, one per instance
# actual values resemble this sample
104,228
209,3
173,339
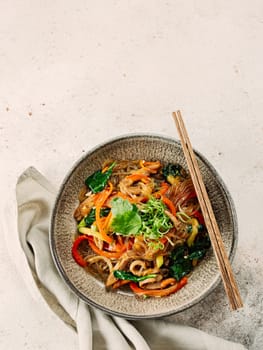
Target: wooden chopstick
227,275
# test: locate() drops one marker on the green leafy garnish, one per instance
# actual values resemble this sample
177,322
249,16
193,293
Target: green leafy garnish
181,269
197,254
202,242
149,220
182,257
88,220
179,252
155,223
128,276
125,217
98,180
173,169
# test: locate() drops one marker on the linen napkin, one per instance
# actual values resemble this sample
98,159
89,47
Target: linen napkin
34,199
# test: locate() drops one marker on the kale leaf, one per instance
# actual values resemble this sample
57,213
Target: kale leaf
91,217
173,169
181,262
88,220
98,180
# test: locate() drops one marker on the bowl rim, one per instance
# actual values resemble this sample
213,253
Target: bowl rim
54,252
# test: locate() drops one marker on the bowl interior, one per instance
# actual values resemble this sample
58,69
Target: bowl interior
63,226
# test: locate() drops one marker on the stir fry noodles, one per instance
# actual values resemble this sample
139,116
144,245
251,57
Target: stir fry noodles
139,224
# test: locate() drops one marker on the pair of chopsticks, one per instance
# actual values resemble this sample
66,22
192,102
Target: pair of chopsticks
209,217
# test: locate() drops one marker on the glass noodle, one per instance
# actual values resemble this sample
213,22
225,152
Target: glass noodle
139,225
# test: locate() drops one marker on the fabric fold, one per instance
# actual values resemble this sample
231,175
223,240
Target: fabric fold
96,330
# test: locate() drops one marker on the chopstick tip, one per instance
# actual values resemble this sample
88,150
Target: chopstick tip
177,116
177,113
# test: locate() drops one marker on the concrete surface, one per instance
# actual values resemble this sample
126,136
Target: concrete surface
75,73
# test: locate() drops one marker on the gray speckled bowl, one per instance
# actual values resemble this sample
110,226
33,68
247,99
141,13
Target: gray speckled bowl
206,275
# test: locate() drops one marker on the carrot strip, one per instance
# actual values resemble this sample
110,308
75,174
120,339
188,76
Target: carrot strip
164,187
99,203
122,195
107,221
120,283
158,292
169,204
138,177
110,255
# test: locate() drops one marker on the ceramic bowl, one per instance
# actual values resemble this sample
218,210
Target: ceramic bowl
205,276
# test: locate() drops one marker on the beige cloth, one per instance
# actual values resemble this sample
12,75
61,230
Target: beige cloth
95,330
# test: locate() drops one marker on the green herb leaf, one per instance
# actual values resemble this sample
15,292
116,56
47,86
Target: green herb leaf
98,180
125,217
